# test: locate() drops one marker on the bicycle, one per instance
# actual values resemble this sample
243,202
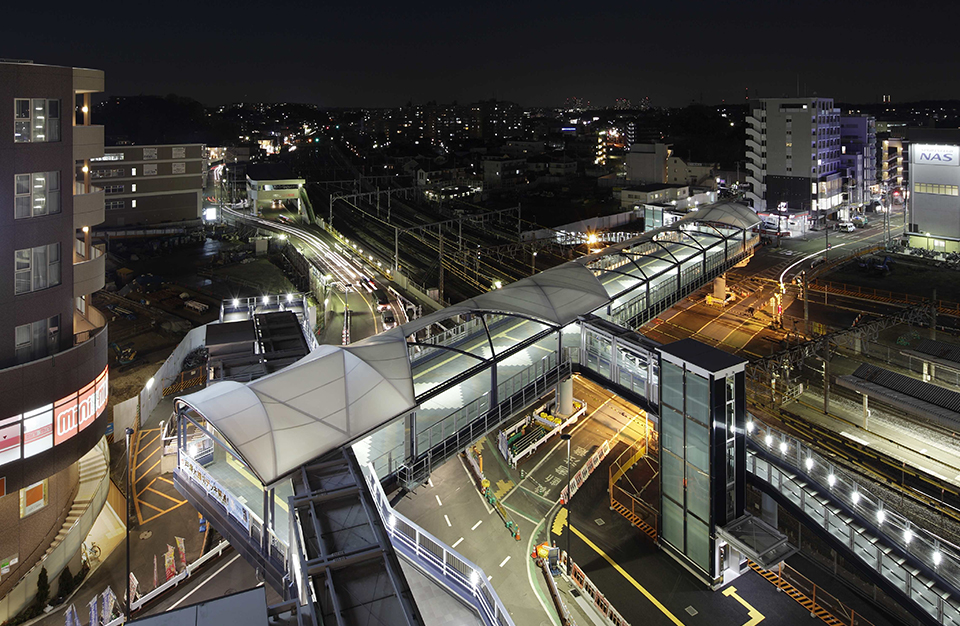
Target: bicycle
92,552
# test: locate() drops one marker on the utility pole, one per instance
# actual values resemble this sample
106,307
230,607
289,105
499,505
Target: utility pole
440,290
826,378
806,306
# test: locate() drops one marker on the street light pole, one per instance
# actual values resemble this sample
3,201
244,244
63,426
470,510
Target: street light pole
533,264
567,436
126,582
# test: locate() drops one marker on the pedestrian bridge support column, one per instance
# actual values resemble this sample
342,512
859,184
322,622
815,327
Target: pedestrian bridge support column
565,397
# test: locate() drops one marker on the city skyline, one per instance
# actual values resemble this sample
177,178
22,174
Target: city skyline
537,55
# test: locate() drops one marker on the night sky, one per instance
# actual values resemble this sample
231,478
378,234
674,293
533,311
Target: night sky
375,53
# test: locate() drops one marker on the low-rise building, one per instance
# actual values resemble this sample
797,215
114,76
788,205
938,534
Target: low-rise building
680,172
646,163
504,171
663,193
150,184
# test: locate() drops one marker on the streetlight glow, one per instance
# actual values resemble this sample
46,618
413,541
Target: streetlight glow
808,463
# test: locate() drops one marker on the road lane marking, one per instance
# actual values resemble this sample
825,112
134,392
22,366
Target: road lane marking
448,520
755,616
628,577
474,527
438,501
457,543
197,588
430,482
504,562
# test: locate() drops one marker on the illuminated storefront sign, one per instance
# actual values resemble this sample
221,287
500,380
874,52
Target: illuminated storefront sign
36,431
926,154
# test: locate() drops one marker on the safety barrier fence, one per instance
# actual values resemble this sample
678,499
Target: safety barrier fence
814,597
441,562
585,585
945,307
185,380
638,512
920,565
175,580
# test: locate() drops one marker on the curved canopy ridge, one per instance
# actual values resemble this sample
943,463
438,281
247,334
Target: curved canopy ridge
323,401
730,213
557,296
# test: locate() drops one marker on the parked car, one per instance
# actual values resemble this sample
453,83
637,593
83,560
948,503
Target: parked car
846,227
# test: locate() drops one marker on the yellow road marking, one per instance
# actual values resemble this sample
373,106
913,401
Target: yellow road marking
160,493
149,519
559,522
502,488
147,487
152,506
629,578
140,443
148,470
755,616
478,343
145,459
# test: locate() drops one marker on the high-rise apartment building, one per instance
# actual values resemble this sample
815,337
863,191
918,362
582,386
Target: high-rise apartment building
858,158
53,343
793,154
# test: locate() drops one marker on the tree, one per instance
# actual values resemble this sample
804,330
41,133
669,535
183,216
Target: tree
43,588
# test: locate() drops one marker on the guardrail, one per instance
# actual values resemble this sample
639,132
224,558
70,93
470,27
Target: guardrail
882,295
927,554
441,562
785,578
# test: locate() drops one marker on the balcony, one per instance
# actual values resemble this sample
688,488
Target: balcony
86,325
754,133
87,80
755,170
753,146
88,269
757,185
87,209
87,142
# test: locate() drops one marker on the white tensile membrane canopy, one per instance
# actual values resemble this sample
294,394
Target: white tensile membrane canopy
557,296
325,400
338,394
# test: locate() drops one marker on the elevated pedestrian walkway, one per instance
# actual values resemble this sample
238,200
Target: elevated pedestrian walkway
916,567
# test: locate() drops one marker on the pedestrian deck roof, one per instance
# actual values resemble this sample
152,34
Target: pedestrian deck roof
338,394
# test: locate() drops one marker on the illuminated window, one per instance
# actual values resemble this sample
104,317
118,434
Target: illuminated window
36,268
36,120
36,194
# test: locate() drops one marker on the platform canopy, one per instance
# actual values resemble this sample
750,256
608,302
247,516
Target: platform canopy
556,297
327,399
